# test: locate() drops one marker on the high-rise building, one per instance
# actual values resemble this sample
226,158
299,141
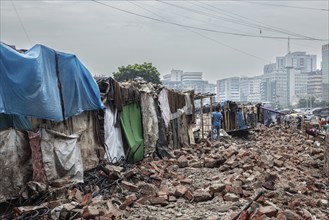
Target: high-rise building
250,89
274,87
289,77
191,76
184,81
297,85
268,91
325,72
228,89
269,68
297,60
314,84
244,88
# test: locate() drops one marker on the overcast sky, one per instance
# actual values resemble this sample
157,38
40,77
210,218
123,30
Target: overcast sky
105,38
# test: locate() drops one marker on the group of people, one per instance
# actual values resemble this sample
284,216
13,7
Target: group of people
317,126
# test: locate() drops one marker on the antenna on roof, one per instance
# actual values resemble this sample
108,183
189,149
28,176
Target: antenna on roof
288,44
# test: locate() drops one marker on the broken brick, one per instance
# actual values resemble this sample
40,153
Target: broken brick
180,190
129,186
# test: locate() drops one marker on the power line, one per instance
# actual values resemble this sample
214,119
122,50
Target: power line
184,16
288,6
267,26
209,14
204,36
235,20
21,23
234,15
198,28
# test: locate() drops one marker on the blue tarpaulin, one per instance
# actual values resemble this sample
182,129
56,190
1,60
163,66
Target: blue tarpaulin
43,83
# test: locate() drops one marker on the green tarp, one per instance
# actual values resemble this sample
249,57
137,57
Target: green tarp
131,122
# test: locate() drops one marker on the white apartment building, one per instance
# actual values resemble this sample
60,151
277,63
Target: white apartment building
184,81
297,60
250,89
228,89
286,81
325,72
274,87
314,84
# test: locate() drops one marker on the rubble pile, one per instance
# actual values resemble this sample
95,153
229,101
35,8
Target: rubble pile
274,173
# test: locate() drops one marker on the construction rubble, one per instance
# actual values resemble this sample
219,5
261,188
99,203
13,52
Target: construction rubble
273,173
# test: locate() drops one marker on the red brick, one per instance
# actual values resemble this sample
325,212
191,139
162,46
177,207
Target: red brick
86,199
129,186
188,195
180,190
129,200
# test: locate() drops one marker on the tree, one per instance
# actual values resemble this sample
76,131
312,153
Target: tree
146,71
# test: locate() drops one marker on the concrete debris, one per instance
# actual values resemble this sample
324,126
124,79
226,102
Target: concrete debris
279,165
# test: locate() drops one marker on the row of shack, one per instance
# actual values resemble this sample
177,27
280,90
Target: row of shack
57,121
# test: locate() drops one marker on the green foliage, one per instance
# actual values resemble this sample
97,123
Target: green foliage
146,71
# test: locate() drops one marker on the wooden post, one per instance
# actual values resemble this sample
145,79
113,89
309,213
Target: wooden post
210,104
201,112
326,156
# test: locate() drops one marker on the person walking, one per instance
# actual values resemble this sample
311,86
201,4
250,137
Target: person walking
287,120
299,122
216,121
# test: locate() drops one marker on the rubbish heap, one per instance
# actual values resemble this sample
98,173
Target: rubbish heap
273,173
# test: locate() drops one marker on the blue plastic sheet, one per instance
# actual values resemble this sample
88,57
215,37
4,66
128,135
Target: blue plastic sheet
29,84
240,120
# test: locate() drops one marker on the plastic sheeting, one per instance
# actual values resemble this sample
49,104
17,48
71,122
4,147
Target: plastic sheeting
164,105
15,121
113,137
15,163
84,125
61,156
132,127
30,81
150,122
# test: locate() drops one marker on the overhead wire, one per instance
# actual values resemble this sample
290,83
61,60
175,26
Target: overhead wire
232,19
199,28
288,6
21,22
194,19
186,17
203,36
213,16
266,27
246,19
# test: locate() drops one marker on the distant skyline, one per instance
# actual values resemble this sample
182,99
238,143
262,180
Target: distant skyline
182,35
